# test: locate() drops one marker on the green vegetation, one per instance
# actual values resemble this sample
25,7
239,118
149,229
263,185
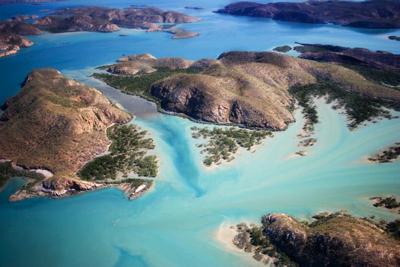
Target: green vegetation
387,202
140,84
388,155
386,77
283,48
393,228
7,171
224,142
358,108
264,246
127,153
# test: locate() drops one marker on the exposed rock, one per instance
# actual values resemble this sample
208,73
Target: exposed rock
365,14
387,155
394,38
181,33
332,240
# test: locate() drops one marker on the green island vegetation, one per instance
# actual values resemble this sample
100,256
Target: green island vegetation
358,108
388,155
7,171
127,154
140,84
385,77
393,228
283,48
224,142
389,202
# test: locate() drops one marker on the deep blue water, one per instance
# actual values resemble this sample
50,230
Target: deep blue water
177,222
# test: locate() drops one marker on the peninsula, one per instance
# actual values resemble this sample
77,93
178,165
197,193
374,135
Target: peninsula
69,138
364,14
250,89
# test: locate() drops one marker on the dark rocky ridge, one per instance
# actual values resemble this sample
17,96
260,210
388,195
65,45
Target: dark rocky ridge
367,14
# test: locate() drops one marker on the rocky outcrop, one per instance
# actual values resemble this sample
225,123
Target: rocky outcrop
12,36
99,19
332,240
59,125
365,14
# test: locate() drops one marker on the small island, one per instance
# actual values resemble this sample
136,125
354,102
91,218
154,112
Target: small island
69,138
389,203
283,48
364,14
330,239
222,144
387,155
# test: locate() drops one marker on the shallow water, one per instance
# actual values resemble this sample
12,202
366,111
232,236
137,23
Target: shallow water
175,223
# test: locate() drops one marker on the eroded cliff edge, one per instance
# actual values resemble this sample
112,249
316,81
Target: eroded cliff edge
54,128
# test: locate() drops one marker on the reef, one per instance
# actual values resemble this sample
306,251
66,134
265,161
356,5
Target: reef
364,14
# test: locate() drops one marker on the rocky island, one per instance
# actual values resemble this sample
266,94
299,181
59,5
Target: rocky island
69,138
100,19
336,239
387,155
12,35
250,89
365,14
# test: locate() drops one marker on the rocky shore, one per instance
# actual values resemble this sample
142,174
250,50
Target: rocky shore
389,203
12,34
364,14
336,239
250,89
61,126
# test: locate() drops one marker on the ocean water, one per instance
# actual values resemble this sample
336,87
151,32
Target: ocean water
175,223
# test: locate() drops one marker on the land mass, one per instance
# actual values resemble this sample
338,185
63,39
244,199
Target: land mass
61,126
336,239
91,19
251,89
366,14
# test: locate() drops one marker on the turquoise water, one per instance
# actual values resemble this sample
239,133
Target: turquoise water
175,223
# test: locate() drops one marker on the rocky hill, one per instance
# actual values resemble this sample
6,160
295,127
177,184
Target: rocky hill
253,89
58,125
336,239
365,14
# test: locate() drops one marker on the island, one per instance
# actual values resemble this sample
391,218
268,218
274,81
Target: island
330,239
387,155
250,89
389,203
365,14
222,144
91,19
12,35
283,48
68,138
